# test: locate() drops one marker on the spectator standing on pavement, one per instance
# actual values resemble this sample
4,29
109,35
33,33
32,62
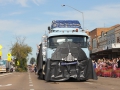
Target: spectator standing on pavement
115,65
35,69
94,63
118,63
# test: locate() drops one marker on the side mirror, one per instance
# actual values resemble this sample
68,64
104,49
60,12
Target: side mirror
49,28
89,39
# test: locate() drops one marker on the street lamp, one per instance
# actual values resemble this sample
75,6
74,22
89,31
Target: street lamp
78,11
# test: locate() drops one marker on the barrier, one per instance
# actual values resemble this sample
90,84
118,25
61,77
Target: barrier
108,72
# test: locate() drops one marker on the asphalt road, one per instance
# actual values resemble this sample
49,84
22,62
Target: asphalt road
29,81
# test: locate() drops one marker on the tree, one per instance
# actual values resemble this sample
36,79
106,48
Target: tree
20,52
32,60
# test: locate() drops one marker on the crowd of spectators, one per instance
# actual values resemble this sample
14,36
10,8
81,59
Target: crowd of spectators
107,67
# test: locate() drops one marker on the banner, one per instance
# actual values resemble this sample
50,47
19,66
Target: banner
0,53
65,24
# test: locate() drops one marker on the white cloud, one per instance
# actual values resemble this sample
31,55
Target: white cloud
31,29
15,13
37,2
6,25
21,28
66,15
94,17
107,15
21,2
99,16
108,11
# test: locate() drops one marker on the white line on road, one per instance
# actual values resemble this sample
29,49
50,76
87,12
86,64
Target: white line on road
88,82
31,89
5,74
31,85
5,85
8,84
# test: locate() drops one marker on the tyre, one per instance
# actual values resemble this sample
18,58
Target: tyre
42,74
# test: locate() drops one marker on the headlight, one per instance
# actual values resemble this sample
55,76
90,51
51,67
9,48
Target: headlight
44,53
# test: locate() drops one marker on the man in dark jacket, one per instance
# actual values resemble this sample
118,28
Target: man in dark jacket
35,69
118,63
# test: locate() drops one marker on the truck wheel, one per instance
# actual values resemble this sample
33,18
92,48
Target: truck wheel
47,71
42,74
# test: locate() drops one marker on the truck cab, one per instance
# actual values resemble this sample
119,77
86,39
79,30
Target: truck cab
66,53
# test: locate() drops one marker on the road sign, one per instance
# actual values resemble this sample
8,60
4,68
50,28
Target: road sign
0,46
0,53
18,63
9,58
9,55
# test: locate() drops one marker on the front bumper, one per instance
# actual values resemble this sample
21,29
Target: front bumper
62,70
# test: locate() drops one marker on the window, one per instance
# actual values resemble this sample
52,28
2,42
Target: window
58,40
118,40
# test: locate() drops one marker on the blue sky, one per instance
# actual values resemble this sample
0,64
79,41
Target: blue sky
30,18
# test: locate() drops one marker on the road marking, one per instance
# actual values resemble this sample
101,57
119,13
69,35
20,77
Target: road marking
5,85
31,85
8,84
88,82
30,81
5,74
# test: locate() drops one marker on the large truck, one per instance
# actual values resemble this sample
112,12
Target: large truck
64,53
5,66
2,66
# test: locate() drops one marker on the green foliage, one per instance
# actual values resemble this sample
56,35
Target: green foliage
32,60
20,70
20,52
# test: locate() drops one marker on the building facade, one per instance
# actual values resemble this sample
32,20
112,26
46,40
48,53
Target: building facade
105,42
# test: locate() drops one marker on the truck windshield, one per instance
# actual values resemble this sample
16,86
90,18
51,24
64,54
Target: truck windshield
55,41
1,63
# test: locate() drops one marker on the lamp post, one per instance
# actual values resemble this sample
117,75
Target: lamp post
78,11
